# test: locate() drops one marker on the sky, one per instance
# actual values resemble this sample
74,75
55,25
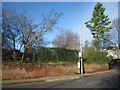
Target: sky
75,14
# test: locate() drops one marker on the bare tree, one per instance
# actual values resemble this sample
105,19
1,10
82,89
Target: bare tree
47,24
26,27
9,30
41,41
21,29
68,40
114,32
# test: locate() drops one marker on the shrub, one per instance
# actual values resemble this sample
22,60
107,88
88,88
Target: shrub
91,55
44,54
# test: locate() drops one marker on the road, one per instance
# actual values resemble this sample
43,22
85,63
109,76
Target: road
104,80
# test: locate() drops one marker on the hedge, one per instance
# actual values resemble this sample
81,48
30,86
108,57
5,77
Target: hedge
54,54
90,55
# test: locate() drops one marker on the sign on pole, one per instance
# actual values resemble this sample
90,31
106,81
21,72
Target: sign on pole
80,54
78,64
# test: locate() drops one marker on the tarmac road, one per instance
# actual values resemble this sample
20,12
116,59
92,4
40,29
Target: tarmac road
103,80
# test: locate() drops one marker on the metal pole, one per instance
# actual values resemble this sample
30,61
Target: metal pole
81,52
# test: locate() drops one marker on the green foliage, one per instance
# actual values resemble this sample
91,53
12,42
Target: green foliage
91,55
98,26
44,54
34,55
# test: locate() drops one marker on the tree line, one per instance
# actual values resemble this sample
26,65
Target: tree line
21,35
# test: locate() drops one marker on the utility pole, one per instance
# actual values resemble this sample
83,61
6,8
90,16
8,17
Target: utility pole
81,52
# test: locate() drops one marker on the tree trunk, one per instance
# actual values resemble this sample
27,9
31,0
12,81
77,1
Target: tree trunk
14,53
24,53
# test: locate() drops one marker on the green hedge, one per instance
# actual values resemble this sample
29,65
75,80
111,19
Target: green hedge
90,55
45,54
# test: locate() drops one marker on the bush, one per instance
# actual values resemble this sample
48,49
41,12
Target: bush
44,54
91,56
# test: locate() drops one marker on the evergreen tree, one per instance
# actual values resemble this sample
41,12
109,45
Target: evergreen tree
98,25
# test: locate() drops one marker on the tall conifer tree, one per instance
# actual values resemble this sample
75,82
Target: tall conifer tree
98,25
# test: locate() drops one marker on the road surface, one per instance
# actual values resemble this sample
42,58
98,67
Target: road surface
104,80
